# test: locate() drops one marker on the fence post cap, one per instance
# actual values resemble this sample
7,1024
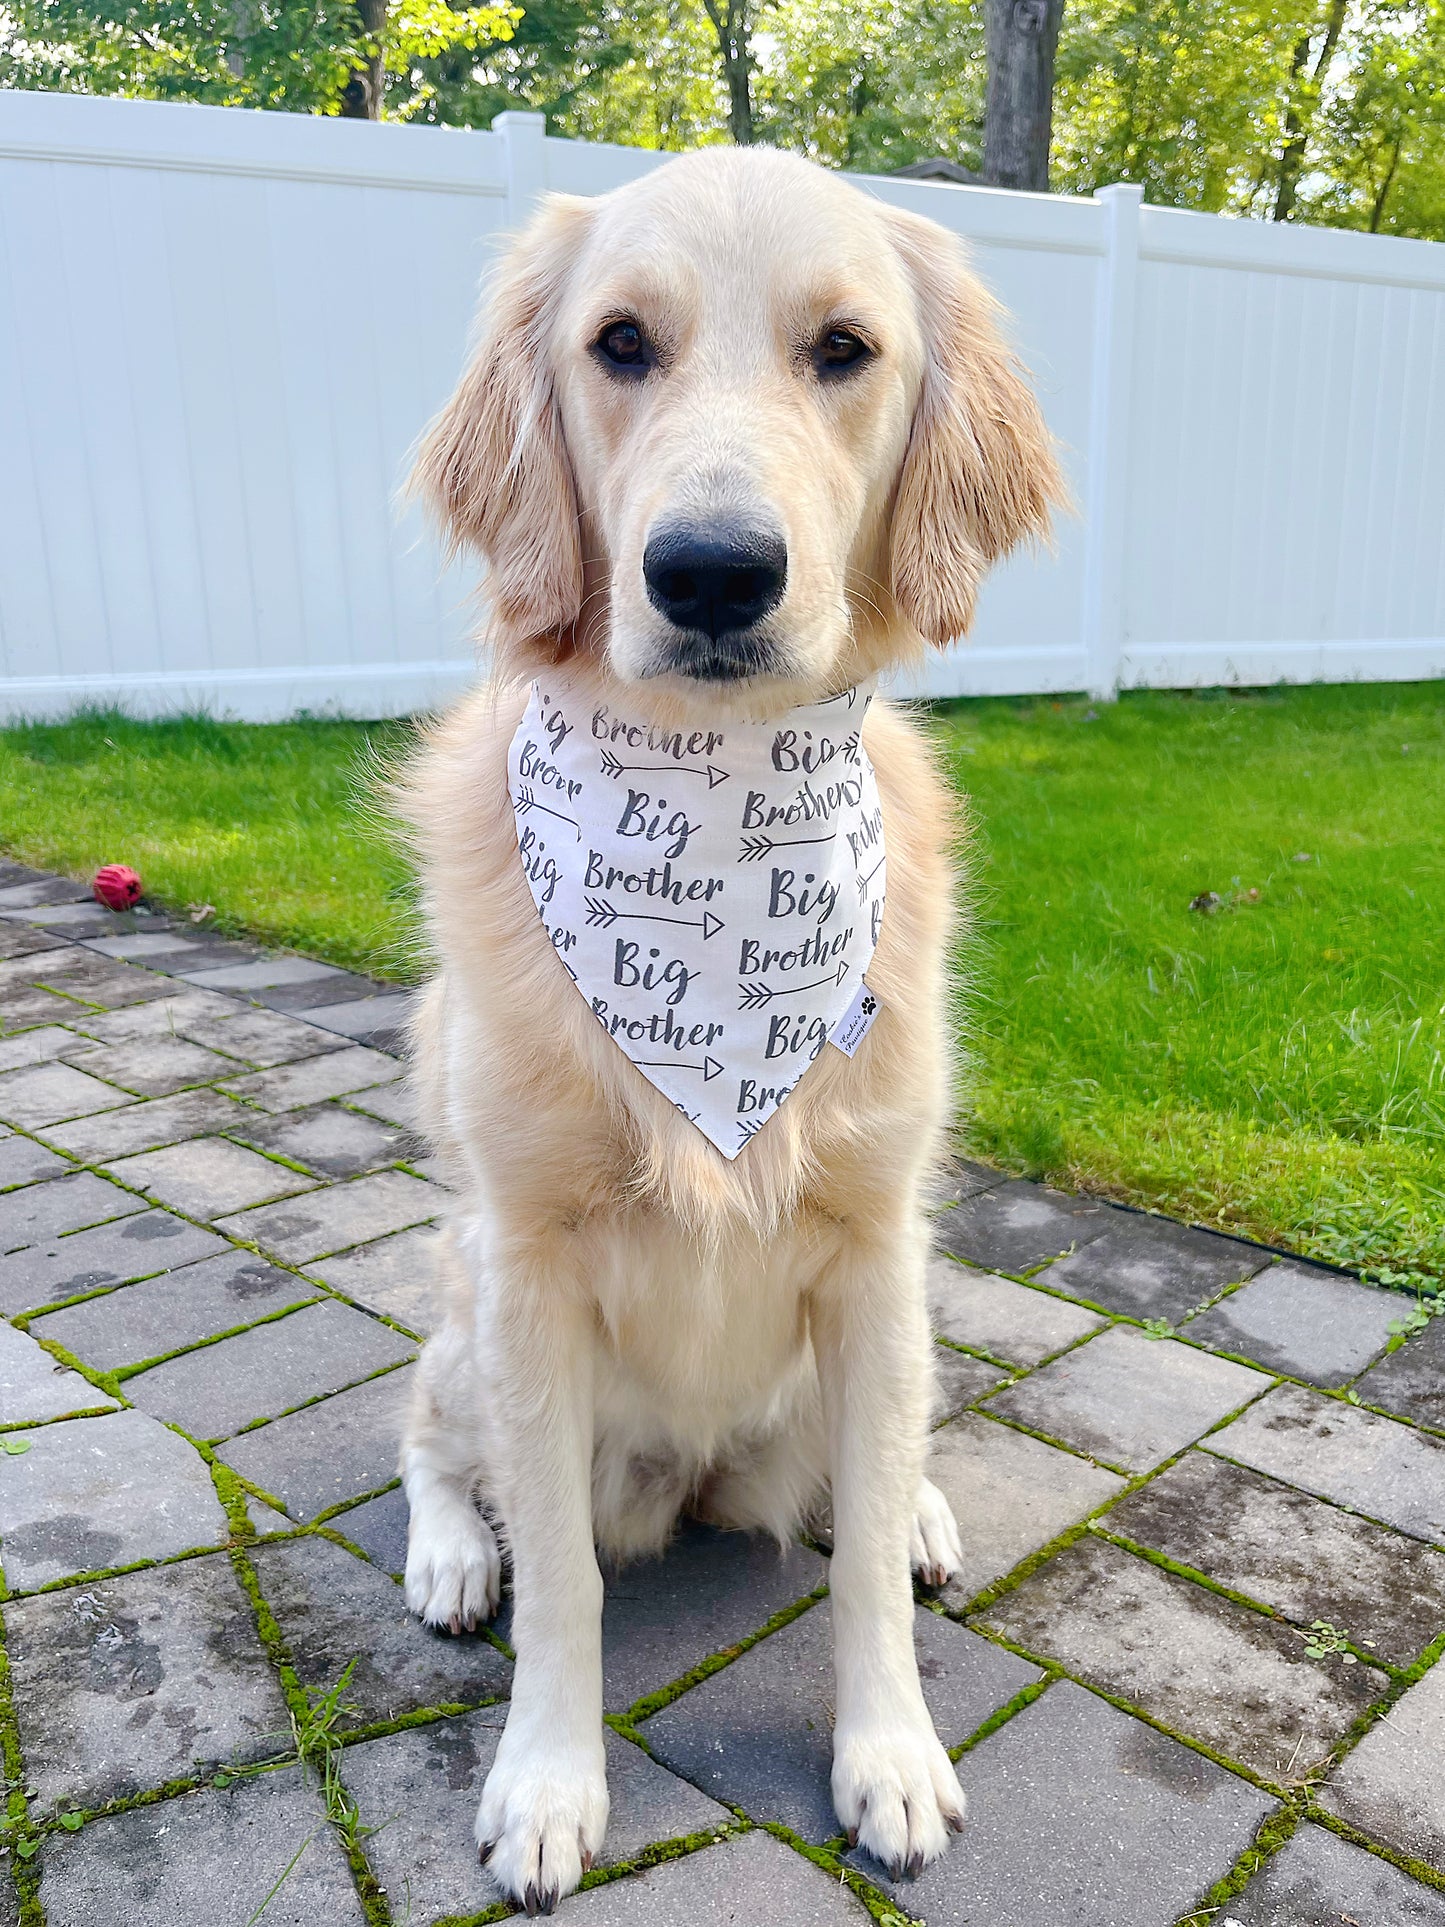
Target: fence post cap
1116,191
517,117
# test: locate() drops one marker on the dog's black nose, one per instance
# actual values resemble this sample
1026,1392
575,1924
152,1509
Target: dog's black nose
714,581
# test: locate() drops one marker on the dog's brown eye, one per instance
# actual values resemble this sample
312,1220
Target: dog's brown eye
623,345
839,351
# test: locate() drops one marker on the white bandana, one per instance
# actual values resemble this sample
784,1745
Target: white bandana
716,894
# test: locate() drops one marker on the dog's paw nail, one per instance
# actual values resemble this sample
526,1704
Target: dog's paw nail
956,1822
535,1901
852,1836
586,1861
454,1624
485,1850
915,1863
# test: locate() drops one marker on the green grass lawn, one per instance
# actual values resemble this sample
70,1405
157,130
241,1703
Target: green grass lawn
1274,1067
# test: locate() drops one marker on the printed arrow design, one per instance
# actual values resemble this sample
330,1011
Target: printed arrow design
863,881
611,767
603,915
752,847
709,1067
749,1126
850,748
754,996
527,801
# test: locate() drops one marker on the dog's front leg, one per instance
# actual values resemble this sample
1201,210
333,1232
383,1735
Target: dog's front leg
894,1787
544,1808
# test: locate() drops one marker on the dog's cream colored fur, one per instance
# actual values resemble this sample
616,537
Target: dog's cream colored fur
637,1327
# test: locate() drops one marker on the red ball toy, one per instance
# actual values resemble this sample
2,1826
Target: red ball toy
117,886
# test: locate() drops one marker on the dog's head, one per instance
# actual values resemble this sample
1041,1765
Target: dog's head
737,424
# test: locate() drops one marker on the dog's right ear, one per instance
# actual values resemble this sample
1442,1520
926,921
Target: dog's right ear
493,467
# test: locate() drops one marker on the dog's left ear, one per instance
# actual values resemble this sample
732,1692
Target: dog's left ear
980,474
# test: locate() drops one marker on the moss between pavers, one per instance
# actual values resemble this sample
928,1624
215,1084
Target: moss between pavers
654,1702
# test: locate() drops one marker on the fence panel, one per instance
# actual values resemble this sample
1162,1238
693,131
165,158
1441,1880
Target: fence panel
221,332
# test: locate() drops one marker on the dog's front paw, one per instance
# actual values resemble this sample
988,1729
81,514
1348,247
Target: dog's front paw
453,1569
935,1550
897,1795
542,1818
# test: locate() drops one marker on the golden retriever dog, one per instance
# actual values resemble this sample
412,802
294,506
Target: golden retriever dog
804,398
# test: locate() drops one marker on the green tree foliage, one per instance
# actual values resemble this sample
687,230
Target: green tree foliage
292,54
1312,110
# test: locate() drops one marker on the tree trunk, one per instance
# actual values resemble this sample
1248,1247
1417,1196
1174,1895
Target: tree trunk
1299,116
1021,37
1377,212
732,23
361,99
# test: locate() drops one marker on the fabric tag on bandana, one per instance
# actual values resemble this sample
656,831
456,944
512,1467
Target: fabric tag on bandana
715,894
856,1022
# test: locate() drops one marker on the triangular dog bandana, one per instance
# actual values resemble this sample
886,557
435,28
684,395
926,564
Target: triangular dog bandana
716,894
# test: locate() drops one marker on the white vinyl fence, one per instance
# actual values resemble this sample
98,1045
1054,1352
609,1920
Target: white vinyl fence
220,332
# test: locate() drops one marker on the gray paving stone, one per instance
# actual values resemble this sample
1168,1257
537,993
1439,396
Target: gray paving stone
1153,1268
262,972
742,1883
1336,1451
35,1386
213,1392
397,1276
291,1087
210,1857
393,1102
143,944
1128,1399
144,1127
364,1017
1410,1381
962,1178
1079,1816
331,1607
208,1177
19,940
9,1902
992,1314
660,1617
335,1142
378,1526
304,995
71,918
1306,1559
959,1380
265,1518
92,1493
123,1684
40,1046
1392,1786
153,1068
111,1254
163,1017
1010,1495
1015,1226
1303,1320
1204,1667
422,1787
29,1009
759,1734
329,1452
101,980
23,1161
337,1217
178,1308
43,1212
48,1093
1319,1880
261,1037
42,889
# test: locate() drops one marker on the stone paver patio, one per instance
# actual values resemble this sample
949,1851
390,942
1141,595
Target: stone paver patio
1188,1673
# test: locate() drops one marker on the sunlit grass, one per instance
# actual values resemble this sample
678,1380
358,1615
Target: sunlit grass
1277,1066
